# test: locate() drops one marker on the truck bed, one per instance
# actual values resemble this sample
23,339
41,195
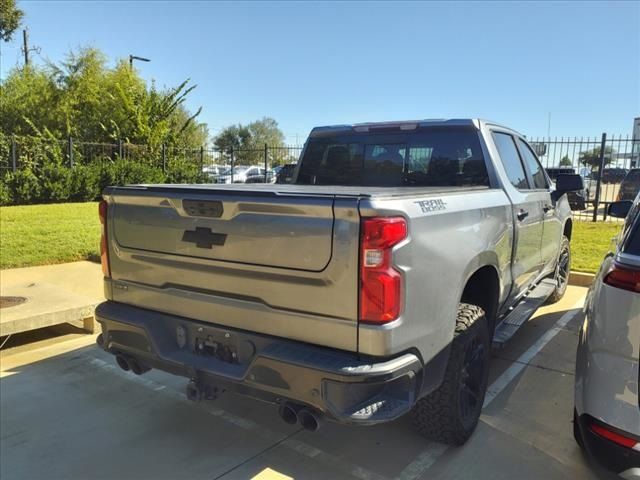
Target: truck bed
307,190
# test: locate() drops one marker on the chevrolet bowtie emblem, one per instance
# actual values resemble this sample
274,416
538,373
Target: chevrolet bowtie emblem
204,237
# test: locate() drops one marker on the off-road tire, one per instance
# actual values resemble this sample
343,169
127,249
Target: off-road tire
438,416
561,286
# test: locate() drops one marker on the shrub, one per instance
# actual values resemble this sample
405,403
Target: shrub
5,193
126,172
183,171
55,183
24,187
85,183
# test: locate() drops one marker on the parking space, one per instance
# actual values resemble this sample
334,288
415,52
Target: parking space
69,412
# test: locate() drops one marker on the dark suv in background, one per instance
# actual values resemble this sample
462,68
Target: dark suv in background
613,175
285,174
577,200
630,185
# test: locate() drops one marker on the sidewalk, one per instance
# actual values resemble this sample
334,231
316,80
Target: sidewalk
81,278
50,295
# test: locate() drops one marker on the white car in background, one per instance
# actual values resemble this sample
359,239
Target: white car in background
240,174
607,409
214,170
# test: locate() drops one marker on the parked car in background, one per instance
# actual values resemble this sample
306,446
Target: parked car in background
613,175
270,177
607,413
577,200
239,175
630,185
285,175
372,288
214,171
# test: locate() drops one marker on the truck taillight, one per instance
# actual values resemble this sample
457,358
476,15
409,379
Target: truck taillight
380,283
621,276
104,248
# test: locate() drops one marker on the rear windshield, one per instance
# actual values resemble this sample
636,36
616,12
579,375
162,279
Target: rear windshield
427,157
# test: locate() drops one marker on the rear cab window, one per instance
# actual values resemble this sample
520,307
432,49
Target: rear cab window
511,160
432,156
532,165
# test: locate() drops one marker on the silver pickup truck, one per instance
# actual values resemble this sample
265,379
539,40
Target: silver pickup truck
371,287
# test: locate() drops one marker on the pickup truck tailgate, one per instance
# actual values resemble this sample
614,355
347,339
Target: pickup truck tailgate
260,260
265,231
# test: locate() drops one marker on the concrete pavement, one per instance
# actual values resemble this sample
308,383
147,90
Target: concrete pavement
69,412
50,295
80,278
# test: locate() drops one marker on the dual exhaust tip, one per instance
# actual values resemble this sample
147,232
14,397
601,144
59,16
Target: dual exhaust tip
292,413
128,363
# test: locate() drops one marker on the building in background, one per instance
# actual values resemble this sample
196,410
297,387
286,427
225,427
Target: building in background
635,146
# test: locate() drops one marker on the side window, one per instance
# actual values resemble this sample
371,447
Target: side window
510,159
533,165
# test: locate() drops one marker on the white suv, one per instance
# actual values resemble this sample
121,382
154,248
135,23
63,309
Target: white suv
607,412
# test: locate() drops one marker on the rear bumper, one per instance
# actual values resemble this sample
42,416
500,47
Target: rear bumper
344,387
623,461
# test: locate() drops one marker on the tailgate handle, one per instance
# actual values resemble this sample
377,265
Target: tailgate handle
203,237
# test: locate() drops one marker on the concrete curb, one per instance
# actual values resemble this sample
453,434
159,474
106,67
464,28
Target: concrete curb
579,279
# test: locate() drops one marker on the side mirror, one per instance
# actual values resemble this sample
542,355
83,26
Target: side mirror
619,209
569,182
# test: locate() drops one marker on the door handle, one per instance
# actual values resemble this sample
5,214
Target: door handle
522,214
547,208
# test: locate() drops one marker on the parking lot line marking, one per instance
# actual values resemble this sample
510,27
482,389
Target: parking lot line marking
414,469
430,455
523,360
295,445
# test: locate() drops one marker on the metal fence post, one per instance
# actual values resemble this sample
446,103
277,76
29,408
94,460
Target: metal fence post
599,182
14,159
120,149
232,164
70,150
164,158
266,167
201,157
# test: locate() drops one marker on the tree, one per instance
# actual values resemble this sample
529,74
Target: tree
83,98
10,19
248,141
233,138
591,158
566,161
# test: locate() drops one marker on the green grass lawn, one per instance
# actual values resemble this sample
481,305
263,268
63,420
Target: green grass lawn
589,244
45,234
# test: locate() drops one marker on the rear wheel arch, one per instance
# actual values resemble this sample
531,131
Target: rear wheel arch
568,228
483,290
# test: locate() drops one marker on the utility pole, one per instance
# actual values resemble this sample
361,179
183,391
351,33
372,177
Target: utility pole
25,46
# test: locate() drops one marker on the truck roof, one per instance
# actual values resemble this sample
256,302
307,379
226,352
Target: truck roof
401,125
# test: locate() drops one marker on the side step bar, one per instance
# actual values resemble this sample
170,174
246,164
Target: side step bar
522,312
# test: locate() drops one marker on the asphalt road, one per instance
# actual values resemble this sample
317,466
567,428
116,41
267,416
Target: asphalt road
66,411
